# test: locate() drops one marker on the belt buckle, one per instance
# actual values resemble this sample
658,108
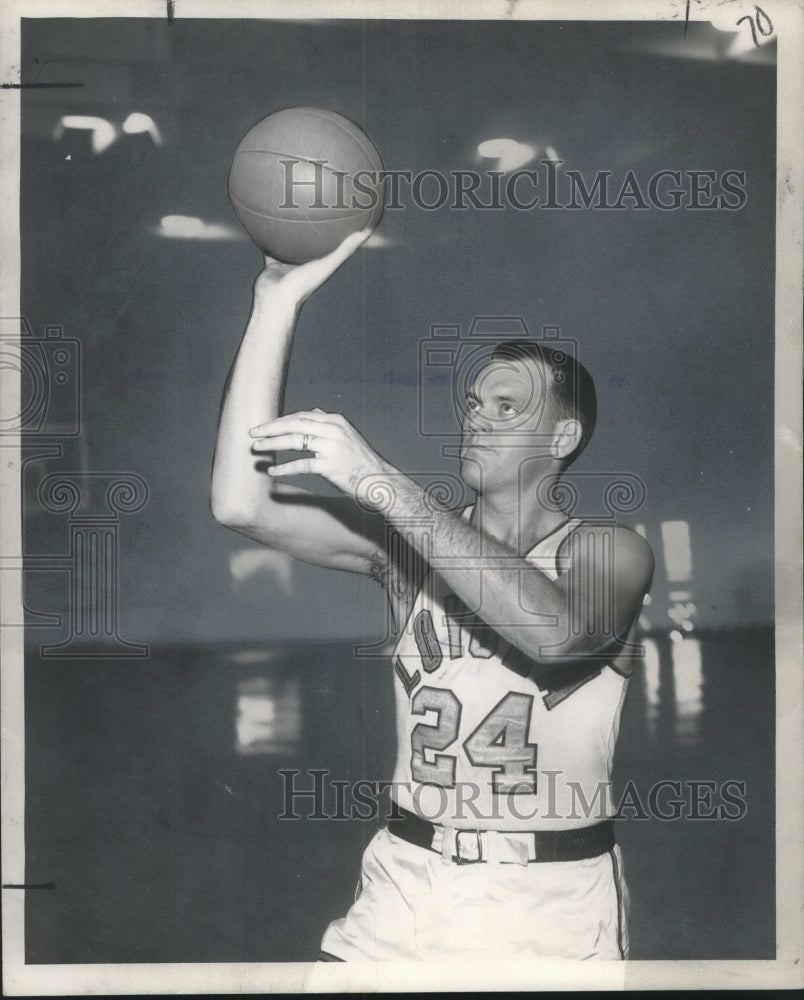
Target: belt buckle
461,860
516,848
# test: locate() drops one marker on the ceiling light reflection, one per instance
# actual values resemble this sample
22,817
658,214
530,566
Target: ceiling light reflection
103,132
510,154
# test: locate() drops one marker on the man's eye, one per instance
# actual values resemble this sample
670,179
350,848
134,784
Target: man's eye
507,410
471,404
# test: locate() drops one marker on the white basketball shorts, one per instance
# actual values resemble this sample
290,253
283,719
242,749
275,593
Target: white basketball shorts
411,904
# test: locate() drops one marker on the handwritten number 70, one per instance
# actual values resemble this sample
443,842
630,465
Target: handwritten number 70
761,23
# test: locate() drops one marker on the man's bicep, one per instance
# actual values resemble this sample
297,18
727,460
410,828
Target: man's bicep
632,574
610,572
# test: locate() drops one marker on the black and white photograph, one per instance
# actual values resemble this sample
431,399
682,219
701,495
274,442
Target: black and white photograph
401,533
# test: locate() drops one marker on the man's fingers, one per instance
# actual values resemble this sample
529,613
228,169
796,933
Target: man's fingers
315,272
287,442
300,421
300,467
344,250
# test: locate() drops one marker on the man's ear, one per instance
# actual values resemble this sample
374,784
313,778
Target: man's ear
566,438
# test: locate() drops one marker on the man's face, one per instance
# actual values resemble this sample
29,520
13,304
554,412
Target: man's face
508,420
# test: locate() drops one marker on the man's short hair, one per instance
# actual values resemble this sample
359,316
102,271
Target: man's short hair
571,389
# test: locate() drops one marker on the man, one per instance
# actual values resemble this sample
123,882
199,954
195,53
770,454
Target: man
513,655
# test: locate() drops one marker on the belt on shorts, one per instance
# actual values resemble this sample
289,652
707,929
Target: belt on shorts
466,847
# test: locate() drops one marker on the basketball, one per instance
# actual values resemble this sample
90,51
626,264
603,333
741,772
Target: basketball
302,180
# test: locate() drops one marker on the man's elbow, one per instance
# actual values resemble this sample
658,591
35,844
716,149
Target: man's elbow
255,524
568,649
228,512
591,645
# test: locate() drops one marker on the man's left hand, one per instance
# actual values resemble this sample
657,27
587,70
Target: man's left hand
339,453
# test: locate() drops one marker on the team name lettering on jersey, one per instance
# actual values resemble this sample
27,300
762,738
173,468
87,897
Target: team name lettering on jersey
484,643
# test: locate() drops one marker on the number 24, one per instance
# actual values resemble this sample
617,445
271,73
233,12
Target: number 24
499,742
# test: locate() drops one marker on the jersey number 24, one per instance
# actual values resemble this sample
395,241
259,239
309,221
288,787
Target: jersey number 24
500,742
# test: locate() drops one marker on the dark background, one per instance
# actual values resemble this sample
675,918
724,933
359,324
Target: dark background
672,311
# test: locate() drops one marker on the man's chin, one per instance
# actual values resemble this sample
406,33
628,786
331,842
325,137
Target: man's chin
471,472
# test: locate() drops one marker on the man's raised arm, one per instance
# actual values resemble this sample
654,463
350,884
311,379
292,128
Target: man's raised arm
327,531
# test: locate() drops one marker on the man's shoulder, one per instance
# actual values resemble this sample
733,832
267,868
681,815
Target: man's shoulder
622,534
632,550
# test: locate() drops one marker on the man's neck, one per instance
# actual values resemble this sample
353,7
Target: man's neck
514,520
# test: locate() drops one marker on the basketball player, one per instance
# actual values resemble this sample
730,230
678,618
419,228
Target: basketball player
513,655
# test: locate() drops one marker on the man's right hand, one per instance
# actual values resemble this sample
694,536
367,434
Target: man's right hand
295,283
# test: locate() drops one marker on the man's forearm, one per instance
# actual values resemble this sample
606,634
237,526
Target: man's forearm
253,393
487,576
256,383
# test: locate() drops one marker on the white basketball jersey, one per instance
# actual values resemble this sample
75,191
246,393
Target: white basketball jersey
481,745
